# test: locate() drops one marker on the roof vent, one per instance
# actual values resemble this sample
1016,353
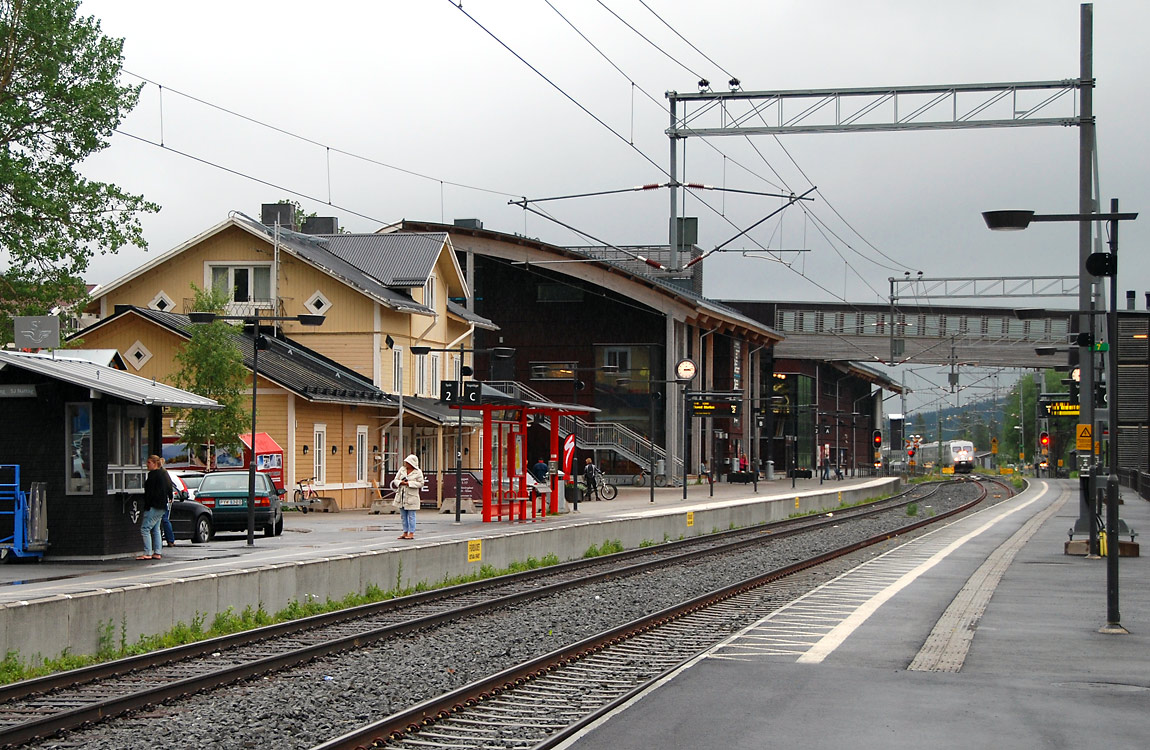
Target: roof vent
469,223
320,225
284,213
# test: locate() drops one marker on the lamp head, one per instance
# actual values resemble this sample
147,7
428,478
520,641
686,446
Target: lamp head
418,350
502,352
1007,221
201,317
308,319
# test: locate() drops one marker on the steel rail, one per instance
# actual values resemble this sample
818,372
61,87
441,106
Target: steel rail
425,714
109,706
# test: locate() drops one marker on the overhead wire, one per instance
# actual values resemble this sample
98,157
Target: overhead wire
311,141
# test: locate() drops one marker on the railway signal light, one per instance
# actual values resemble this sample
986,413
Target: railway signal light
876,438
1044,440
910,452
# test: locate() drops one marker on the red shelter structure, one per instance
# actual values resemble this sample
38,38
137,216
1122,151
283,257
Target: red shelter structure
508,488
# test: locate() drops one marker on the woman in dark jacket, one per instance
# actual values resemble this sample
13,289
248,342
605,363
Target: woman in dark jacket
157,493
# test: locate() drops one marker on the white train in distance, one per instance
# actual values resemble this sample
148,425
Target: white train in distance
956,454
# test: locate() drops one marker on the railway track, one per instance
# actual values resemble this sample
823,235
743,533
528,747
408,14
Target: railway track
44,707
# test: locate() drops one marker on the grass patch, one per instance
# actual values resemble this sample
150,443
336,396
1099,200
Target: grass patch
608,547
912,509
14,669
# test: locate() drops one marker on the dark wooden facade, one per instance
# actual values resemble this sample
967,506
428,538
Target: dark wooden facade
98,523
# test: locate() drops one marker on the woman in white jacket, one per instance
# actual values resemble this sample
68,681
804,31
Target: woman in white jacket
407,483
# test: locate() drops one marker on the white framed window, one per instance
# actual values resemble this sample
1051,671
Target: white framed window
456,366
433,372
429,292
319,453
397,369
421,374
361,456
243,283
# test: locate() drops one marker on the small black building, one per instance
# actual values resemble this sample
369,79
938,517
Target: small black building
85,429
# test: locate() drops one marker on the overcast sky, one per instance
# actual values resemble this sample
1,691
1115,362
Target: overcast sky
464,126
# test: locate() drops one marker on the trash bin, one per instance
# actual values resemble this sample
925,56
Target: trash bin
770,471
571,493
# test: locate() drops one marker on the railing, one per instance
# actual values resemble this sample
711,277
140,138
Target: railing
601,435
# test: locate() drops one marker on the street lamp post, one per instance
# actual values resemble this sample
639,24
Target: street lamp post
1097,264
254,321
500,352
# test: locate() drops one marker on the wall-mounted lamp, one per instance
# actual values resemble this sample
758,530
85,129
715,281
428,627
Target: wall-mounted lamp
305,450
375,449
351,449
334,450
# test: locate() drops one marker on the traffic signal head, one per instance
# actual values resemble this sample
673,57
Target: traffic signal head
1044,440
877,438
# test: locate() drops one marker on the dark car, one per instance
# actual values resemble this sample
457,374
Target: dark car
190,519
226,494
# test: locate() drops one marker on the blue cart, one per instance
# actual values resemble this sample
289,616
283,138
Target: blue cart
29,537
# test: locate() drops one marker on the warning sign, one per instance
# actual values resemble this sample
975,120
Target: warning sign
1083,438
994,445
474,550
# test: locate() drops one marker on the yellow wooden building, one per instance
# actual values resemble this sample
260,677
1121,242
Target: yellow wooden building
327,394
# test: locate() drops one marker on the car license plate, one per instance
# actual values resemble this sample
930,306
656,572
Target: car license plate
232,501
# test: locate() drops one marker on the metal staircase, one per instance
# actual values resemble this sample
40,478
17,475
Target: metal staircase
598,435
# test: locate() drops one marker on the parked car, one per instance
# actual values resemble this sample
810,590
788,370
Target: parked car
226,494
190,519
191,480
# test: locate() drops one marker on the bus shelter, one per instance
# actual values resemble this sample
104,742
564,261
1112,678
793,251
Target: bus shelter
509,490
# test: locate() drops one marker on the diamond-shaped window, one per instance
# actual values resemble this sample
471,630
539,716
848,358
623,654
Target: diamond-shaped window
318,303
162,302
137,355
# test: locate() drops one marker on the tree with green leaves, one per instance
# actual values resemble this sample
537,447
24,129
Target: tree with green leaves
211,365
60,101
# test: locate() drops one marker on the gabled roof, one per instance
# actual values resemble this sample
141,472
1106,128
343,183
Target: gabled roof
635,272
308,248
107,380
293,367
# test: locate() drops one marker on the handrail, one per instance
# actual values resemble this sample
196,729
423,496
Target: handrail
606,435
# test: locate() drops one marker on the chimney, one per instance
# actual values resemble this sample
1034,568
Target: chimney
284,213
1129,299
320,225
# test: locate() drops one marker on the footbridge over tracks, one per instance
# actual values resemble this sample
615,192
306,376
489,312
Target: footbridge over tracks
925,334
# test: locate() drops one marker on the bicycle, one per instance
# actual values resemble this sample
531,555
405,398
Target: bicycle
604,489
305,494
640,479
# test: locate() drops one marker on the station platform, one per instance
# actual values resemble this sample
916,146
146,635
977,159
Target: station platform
980,634
51,605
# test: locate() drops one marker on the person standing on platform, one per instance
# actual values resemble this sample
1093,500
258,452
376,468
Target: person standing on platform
166,522
407,484
826,468
157,493
589,479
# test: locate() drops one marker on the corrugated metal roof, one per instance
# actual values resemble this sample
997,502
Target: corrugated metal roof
477,320
400,259
284,362
106,380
